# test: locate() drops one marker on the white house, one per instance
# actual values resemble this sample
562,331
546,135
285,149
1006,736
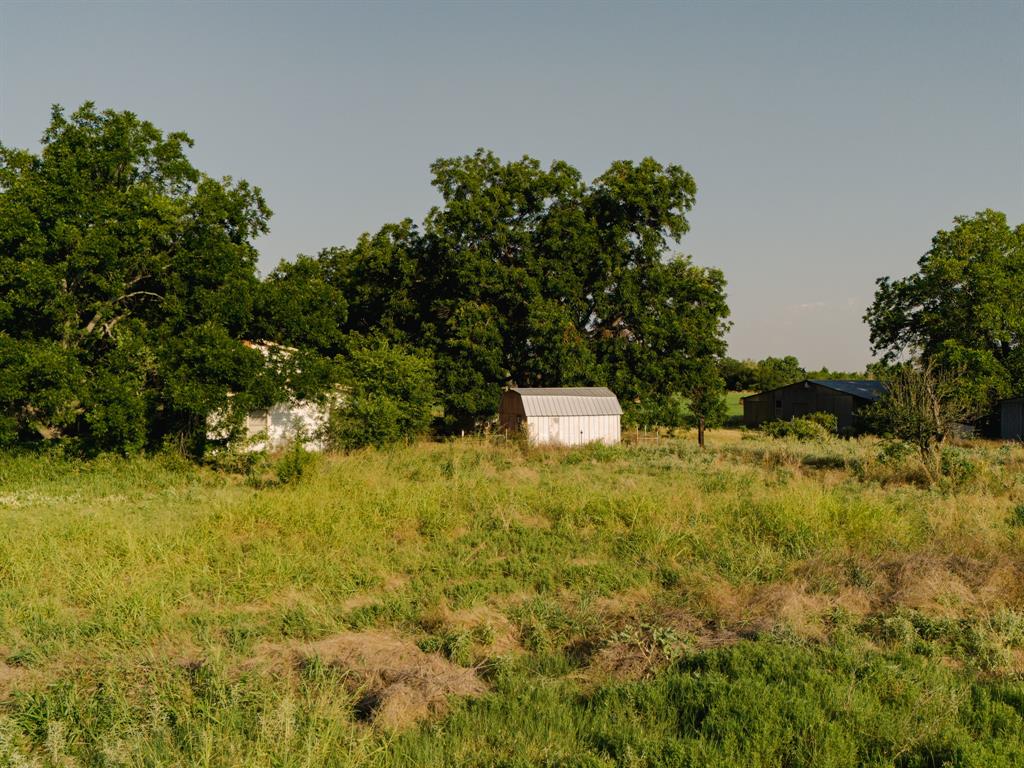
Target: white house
274,428
562,415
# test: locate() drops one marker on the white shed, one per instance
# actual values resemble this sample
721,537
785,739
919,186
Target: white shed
562,415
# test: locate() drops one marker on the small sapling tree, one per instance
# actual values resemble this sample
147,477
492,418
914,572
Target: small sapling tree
925,404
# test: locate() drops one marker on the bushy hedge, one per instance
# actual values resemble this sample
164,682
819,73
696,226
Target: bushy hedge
389,396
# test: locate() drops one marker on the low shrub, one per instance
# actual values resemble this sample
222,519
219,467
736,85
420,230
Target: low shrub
958,467
814,426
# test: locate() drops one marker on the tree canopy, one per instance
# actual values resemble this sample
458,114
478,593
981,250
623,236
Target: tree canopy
126,279
128,291
963,309
773,372
530,276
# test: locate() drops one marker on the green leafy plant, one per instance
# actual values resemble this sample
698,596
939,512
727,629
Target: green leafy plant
800,428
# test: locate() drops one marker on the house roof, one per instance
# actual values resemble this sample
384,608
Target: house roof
568,401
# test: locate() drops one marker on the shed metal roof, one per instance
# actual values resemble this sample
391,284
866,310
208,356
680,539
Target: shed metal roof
568,401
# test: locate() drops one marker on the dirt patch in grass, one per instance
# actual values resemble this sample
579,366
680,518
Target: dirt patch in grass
490,628
396,683
10,676
952,586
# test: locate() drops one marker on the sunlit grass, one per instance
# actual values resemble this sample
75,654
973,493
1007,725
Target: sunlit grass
134,594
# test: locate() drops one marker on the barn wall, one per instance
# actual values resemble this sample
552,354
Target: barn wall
1012,420
757,409
799,400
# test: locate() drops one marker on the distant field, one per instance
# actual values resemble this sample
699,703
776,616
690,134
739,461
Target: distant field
732,402
761,603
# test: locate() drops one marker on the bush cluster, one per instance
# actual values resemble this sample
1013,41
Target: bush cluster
813,426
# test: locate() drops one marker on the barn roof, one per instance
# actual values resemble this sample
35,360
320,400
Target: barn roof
568,401
866,390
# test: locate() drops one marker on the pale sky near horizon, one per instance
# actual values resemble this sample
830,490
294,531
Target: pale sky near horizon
829,142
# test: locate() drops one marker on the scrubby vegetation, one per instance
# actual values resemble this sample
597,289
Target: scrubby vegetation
813,426
762,602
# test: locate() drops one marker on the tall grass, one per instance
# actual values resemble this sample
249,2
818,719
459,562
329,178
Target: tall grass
886,619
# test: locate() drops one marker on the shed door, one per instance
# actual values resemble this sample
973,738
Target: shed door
553,429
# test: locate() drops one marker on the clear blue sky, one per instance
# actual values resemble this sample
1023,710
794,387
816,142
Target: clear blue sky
828,141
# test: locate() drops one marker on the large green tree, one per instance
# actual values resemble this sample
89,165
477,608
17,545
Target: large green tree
127,278
963,309
530,276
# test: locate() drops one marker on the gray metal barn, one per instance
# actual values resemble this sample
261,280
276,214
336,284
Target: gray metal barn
562,415
842,397
1011,419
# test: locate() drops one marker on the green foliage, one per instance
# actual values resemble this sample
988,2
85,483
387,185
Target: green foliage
299,305
389,396
705,390
530,276
772,372
814,426
294,462
128,282
829,421
601,594
923,405
963,309
765,703
957,465
126,279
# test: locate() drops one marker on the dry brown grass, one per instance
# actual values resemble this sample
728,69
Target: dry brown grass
396,684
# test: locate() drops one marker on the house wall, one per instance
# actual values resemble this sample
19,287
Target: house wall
799,400
282,422
1011,419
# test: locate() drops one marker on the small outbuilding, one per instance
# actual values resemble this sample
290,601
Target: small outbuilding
562,415
276,427
1011,419
842,397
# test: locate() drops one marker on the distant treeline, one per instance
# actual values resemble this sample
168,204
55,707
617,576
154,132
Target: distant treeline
772,372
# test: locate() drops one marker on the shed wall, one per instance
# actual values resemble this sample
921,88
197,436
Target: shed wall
564,429
1011,421
574,430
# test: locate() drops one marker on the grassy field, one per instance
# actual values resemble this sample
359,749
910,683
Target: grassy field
761,603
734,404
